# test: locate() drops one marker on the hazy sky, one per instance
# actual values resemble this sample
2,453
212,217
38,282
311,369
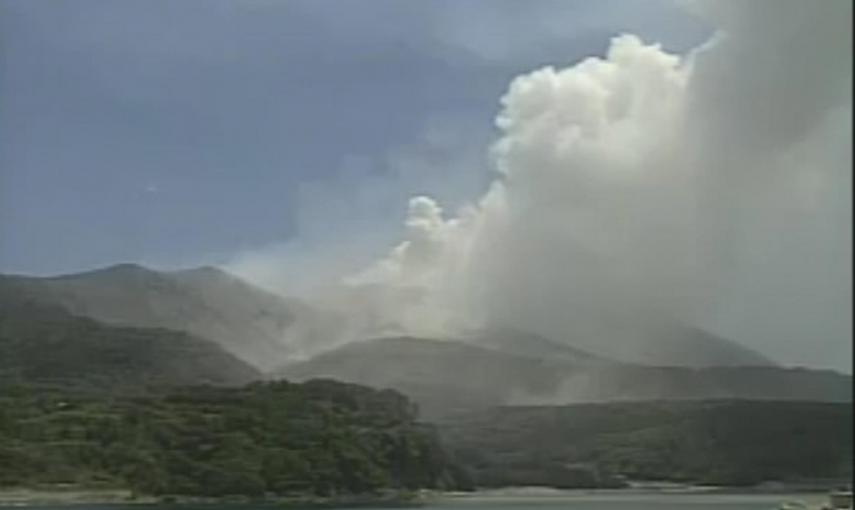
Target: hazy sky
175,133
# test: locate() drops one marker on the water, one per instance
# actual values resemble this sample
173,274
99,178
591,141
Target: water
571,501
631,502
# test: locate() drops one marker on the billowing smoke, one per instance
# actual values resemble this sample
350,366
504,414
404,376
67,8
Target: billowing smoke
588,220
642,189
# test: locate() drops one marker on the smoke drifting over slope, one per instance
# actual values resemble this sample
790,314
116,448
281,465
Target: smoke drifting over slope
641,189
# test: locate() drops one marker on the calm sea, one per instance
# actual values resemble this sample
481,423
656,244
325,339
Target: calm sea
565,501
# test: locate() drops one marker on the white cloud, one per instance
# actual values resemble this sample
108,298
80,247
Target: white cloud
637,188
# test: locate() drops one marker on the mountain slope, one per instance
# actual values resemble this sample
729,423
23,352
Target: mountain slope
205,302
713,442
265,329
444,376
42,344
650,339
679,345
529,345
658,343
439,375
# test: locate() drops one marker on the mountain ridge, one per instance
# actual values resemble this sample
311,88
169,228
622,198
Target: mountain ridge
206,302
42,344
266,329
444,375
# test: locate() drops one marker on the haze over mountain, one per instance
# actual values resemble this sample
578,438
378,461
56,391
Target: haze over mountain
43,344
444,376
677,345
268,330
206,302
498,366
85,368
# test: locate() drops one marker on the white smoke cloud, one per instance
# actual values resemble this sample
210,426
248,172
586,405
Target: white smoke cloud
590,215
345,223
643,188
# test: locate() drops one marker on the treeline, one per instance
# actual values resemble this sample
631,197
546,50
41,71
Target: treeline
318,438
602,445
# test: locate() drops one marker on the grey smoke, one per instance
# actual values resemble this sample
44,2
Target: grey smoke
641,189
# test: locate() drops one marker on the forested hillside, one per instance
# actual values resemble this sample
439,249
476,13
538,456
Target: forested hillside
595,445
319,438
46,345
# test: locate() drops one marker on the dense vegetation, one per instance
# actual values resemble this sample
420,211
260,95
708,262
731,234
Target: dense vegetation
724,442
321,438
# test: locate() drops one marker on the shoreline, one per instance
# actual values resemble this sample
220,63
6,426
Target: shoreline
24,497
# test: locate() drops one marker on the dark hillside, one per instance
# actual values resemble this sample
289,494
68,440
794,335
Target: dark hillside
47,345
714,442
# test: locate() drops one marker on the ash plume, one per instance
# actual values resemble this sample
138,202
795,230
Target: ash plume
641,189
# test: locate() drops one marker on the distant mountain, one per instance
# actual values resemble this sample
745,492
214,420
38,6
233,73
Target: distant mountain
41,344
439,375
445,376
521,343
656,342
267,330
647,339
686,346
206,302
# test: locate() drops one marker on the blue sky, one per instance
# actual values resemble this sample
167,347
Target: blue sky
181,133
